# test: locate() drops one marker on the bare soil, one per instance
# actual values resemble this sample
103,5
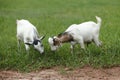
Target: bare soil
86,73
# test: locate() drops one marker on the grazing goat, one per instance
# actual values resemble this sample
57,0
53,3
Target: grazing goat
86,32
28,33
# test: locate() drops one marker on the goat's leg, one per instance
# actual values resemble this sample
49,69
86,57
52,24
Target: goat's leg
97,42
26,45
18,44
27,48
81,42
72,46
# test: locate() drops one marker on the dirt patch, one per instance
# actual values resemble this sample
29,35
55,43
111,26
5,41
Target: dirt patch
86,73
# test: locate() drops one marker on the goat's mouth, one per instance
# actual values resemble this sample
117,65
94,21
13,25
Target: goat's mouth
54,48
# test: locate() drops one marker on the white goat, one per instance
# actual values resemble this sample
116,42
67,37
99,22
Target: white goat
86,32
27,33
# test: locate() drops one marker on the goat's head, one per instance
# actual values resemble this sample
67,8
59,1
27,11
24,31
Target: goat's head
54,43
37,43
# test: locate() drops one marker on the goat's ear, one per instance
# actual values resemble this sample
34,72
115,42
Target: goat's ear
50,40
29,43
41,38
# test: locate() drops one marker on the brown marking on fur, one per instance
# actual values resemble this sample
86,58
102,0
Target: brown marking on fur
56,41
62,38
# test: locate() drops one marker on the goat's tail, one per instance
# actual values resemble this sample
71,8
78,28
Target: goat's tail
99,20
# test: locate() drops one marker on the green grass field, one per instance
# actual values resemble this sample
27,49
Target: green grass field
52,17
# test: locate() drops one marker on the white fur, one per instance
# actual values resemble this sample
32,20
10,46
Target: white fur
84,32
27,33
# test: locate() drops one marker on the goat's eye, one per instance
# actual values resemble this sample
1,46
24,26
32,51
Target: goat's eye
35,42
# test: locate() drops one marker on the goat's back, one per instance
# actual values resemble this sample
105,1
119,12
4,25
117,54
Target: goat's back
25,29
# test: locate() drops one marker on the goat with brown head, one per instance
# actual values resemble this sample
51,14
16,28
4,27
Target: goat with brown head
82,34
56,41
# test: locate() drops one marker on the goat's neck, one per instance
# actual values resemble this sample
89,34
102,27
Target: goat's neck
65,38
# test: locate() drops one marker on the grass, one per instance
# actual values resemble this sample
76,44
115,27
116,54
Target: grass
51,18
